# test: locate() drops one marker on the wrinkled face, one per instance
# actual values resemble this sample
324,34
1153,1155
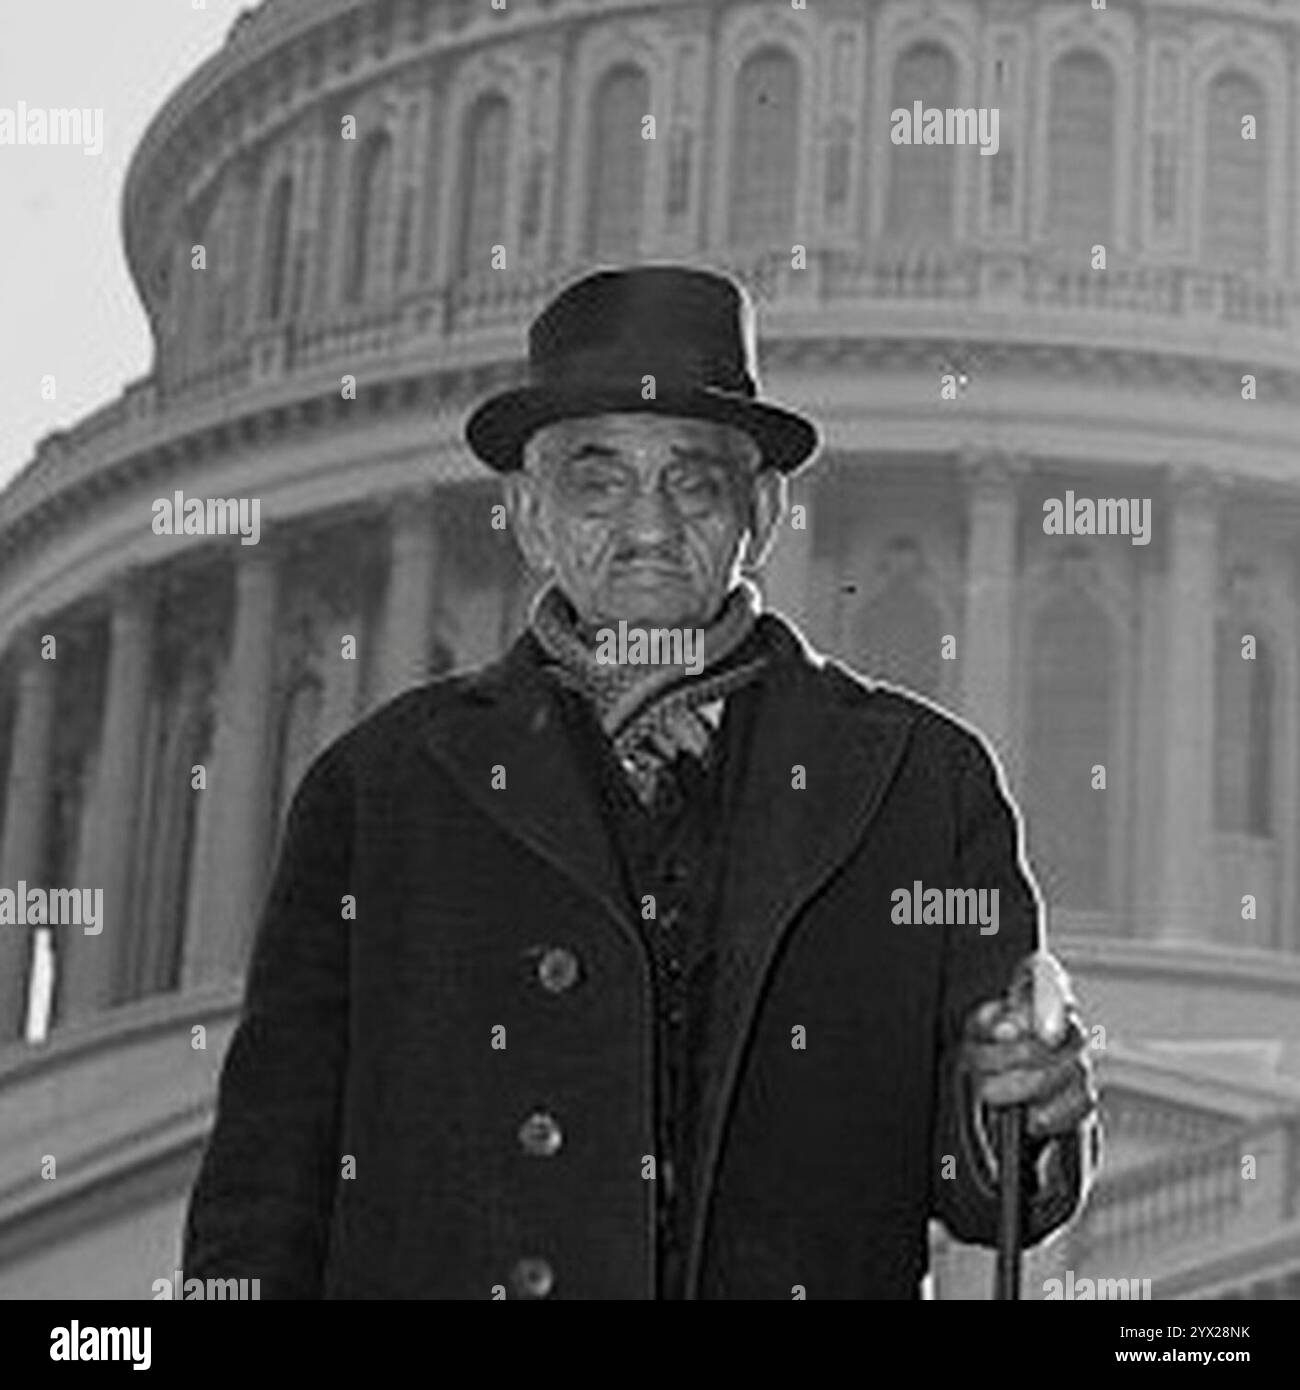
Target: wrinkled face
643,518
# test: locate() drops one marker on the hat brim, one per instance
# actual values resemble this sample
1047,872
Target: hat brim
498,428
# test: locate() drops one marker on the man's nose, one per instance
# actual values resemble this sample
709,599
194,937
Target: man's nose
651,517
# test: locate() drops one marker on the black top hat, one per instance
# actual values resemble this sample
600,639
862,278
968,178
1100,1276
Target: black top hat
591,347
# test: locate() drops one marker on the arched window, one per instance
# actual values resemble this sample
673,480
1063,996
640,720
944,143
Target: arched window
220,240
920,205
1243,733
900,630
369,212
1081,146
765,146
1071,712
275,249
483,182
616,173
1234,208
187,294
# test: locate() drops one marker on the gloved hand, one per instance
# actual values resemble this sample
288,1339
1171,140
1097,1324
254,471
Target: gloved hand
1029,1048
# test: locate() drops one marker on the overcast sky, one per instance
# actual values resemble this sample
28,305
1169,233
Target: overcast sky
67,304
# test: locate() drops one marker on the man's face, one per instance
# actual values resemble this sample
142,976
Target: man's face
641,517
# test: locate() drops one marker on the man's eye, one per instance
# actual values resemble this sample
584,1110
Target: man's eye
698,484
595,480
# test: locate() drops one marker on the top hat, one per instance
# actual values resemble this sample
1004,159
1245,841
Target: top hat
591,347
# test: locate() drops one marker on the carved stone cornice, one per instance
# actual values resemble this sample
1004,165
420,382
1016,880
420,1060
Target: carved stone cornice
72,478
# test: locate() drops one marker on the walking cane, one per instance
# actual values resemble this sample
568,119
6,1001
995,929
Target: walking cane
1010,1131
1041,988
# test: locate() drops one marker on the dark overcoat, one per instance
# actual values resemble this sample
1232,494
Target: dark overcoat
371,1040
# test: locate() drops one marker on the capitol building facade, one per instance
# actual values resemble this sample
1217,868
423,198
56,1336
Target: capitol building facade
340,227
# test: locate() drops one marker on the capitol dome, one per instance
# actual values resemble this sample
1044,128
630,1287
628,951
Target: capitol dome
340,227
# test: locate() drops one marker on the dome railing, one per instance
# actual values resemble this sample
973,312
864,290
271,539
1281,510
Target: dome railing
483,316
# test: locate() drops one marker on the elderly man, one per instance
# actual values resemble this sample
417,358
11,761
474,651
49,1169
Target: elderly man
635,1002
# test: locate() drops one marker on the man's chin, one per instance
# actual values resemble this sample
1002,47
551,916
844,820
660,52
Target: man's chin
645,621
671,608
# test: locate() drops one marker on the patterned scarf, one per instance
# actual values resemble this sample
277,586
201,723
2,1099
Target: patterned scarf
651,714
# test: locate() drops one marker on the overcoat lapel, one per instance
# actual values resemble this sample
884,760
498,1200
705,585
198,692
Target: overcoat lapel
508,718
782,846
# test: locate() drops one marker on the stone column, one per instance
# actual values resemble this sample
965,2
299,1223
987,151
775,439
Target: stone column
987,641
406,624
23,850
1146,836
787,575
338,711
148,845
1185,908
1286,803
160,906
88,968
238,827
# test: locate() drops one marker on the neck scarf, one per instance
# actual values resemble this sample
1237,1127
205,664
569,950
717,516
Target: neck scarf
651,714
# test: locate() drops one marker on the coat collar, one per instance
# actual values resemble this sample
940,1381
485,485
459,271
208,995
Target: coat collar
784,842
508,720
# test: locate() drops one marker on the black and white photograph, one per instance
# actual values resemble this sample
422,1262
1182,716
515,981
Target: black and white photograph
650,650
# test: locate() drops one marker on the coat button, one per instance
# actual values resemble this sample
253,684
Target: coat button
558,970
540,1136
533,1278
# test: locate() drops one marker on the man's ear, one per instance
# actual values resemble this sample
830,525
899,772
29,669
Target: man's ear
523,499
768,503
